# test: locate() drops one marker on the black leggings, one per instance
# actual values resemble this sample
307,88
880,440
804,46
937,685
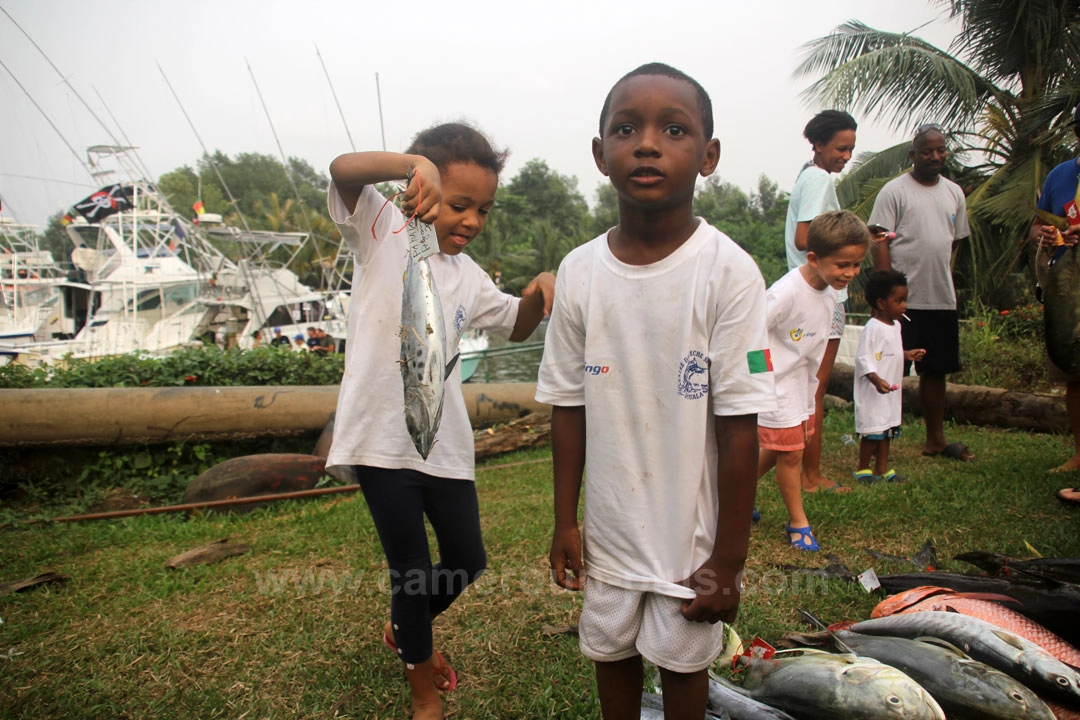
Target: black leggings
398,501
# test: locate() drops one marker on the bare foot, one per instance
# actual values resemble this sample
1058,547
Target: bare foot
1069,465
427,709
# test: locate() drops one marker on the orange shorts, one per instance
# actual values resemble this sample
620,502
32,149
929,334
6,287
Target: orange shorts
785,439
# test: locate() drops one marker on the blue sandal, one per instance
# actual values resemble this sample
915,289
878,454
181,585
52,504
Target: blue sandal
805,541
865,476
891,476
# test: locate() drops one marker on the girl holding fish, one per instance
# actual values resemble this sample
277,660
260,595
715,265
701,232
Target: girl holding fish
453,174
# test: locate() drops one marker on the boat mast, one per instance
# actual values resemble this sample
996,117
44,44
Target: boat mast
338,104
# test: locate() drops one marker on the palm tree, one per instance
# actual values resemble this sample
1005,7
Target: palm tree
1005,89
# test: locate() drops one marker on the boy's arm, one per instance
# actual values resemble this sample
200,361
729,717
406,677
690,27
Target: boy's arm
802,229
535,305
352,171
718,581
568,458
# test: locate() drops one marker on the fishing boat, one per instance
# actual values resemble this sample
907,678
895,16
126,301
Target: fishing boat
30,282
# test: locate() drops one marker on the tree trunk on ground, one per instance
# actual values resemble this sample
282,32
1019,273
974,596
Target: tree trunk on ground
975,404
531,431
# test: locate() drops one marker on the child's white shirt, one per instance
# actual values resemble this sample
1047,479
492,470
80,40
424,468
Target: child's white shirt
653,353
369,427
881,351
799,317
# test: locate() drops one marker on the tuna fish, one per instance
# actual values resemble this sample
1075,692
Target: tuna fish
829,686
985,642
942,599
1058,271
962,686
423,354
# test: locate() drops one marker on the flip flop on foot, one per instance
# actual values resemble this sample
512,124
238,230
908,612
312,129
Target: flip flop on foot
1070,496
439,666
956,451
827,486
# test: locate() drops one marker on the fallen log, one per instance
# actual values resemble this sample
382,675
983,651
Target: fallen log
142,416
975,404
533,430
208,554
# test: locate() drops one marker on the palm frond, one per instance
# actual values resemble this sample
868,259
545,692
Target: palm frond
893,76
859,186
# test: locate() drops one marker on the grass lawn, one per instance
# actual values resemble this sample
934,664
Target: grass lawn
292,629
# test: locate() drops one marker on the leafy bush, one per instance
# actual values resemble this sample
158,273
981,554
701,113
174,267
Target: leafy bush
206,365
1004,349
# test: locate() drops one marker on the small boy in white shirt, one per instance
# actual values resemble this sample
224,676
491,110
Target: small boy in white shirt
799,313
879,370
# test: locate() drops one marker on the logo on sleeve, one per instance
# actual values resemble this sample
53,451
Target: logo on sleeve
459,319
694,375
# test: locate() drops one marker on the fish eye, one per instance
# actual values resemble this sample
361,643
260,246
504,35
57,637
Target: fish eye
1016,696
893,700
1062,681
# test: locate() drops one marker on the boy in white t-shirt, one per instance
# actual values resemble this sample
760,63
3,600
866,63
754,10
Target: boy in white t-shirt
800,311
656,367
879,370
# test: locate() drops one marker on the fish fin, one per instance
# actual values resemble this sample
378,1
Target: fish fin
1031,549
811,619
734,645
1006,636
1051,219
450,366
991,597
943,644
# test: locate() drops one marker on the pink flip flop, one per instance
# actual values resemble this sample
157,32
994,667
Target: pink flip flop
443,668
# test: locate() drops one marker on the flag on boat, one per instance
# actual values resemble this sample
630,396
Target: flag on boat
199,210
67,219
105,202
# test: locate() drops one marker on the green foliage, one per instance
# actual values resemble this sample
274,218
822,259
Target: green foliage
754,221
207,366
1004,349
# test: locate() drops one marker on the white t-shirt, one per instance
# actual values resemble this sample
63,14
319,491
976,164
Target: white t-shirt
653,352
926,220
881,351
369,428
799,318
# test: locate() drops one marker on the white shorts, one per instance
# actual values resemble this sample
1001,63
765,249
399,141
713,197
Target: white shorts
617,623
839,320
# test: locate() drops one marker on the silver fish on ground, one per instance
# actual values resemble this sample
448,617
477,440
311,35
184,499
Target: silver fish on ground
826,686
423,354
962,686
987,643
652,708
737,704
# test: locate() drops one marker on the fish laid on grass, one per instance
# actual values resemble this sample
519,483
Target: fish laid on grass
931,599
1053,605
986,642
423,354
826,686
962,686
733,701
1065,570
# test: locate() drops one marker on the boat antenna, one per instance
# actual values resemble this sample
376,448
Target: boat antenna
127,143
338,104
48,119
206,152
378,96
288,174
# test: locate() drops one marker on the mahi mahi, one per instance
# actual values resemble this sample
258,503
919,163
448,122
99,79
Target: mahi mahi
423,354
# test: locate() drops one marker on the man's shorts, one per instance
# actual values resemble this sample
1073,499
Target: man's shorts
839,320
617,623
785,439
890,434
938,332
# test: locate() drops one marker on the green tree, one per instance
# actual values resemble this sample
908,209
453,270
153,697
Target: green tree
1005,90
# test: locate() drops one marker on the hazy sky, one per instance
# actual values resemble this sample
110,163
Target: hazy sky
533,76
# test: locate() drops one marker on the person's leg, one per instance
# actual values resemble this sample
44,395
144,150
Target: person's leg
452,508
788,467
1072,409
619,685
932,397
685,694
881,452
766,461
866,453
811,476
394,498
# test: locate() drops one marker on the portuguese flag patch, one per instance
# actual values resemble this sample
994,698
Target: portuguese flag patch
759,361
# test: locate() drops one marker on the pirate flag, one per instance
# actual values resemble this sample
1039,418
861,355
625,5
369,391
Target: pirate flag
105,202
